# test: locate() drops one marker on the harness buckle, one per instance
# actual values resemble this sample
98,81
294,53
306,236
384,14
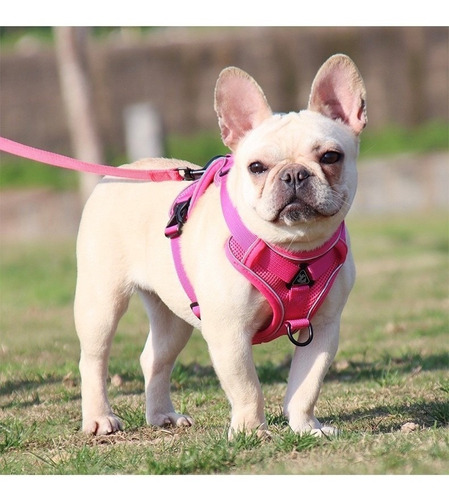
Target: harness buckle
194,306
296,342
191,174
177,220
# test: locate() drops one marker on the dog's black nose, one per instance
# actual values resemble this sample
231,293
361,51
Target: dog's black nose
294,176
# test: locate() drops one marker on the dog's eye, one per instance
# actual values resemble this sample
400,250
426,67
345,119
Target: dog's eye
331,157
257,168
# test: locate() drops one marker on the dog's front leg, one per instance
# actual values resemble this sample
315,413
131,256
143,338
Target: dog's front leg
231,354
309,366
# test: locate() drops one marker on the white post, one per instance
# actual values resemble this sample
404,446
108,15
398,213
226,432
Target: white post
143,132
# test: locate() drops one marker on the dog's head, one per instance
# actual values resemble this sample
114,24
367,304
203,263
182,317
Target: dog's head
295,174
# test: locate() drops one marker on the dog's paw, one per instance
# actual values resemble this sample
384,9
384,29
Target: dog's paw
325,431
101,426
313,427
170,420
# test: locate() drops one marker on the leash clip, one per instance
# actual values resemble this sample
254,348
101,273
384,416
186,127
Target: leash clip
296,342
191,174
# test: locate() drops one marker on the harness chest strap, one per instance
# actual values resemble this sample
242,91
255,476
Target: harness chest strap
294,283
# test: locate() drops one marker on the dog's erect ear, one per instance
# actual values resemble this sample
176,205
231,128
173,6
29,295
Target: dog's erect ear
338,92
240,105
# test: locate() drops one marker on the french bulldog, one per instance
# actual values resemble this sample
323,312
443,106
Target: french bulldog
293,181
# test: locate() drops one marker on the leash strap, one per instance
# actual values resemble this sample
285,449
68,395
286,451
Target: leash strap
57,160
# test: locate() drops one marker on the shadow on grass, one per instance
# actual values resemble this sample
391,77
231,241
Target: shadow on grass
390,418
26,385
24,392
191,377
383,371
195,376
388,368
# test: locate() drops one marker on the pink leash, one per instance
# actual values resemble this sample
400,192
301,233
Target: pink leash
57,160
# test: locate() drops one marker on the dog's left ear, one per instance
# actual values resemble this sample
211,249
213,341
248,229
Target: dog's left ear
240,105
338,92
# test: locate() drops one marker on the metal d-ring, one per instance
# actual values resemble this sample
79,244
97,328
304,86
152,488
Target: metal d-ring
296,342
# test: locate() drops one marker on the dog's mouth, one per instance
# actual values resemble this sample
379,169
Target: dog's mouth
296,212
307,201
300,210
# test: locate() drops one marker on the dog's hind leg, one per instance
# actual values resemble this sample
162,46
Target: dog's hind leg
98,309
167,337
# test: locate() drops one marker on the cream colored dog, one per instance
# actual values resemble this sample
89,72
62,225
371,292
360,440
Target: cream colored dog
122,249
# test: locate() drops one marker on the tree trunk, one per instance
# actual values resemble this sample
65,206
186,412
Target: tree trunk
71,51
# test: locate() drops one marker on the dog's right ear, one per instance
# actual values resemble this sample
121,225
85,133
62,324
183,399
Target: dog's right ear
240,105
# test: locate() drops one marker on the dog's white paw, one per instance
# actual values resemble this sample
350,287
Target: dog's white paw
313,427
101,426
170,419
325,431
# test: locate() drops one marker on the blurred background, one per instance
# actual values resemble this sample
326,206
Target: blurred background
113,95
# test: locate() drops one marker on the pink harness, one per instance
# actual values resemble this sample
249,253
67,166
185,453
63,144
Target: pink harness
294,283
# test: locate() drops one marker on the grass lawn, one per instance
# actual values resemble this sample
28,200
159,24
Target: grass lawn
388,389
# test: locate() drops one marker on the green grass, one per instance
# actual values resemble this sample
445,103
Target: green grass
391,369
200,147
394,139
21,173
